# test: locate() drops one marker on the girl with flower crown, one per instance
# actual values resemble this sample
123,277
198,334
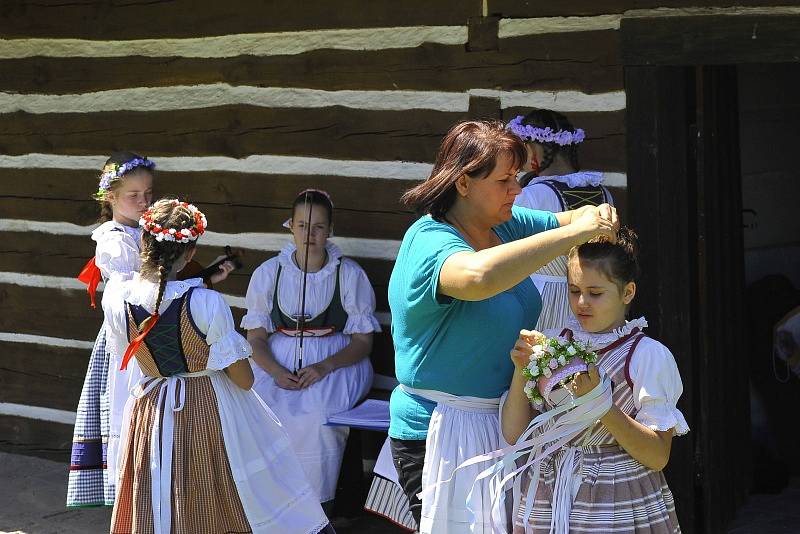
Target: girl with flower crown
554,182
124,192
306,371
200,452
608,477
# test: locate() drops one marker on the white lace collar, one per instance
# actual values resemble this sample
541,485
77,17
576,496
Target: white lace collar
334,258
601,339
143,293
104,229
576,179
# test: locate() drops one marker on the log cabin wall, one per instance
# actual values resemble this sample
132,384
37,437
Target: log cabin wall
242,105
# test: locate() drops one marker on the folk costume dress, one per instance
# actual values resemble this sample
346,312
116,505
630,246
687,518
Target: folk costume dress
99,413
609,491
556,194
340,302
199,454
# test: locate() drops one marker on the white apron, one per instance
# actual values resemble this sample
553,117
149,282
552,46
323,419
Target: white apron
460,428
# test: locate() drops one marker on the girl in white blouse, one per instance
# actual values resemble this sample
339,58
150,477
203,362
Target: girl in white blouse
335,371
554,182
616,480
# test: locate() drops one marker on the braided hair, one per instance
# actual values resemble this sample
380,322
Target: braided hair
159,257
547,118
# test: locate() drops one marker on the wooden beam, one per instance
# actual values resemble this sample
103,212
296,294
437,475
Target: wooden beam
710,39
657,191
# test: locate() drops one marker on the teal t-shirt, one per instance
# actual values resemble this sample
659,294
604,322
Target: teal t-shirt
456,346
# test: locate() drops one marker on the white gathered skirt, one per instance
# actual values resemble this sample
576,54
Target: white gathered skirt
319,448
454,436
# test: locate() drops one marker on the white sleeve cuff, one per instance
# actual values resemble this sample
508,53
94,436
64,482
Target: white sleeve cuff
658,415
254,319
361,324
227,350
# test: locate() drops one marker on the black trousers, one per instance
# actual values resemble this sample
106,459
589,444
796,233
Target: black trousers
408,456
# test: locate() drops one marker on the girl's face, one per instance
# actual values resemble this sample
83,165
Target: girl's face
492,197
132,197
597,302
320,227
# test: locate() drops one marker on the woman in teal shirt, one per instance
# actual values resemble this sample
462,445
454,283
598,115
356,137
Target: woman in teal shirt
459,293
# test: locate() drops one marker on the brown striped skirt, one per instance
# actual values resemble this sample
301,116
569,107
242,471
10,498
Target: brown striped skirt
204,496
616,494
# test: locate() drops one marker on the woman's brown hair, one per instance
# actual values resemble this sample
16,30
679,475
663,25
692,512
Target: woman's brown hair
471,148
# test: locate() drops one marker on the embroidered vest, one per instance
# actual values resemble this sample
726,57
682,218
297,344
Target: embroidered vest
175,345
572,198
330,320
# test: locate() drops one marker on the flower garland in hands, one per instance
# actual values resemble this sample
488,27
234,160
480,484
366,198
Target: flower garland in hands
554,360
180,235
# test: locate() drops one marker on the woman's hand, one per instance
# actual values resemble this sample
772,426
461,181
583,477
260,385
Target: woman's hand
225,268
312,374
592,221
583,383
521,353
285,379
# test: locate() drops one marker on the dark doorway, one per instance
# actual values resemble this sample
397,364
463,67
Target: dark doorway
691,174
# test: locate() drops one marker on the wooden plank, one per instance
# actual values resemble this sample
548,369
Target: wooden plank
658,189
42,375
37,438
604,147
276,191
48,312
571,8
721,298
64,256
235,131
224,218
586,61
192,18
710,40
240,131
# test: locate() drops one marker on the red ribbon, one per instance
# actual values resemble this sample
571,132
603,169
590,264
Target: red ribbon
91,276
137,342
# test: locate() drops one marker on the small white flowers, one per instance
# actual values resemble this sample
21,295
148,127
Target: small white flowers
547,356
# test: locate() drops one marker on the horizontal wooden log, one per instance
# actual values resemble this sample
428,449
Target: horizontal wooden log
48,312
64,256
224,218
42,375
570,8
66,314
193,18
37,438
235,131
586,61
351,196
711,40
240,131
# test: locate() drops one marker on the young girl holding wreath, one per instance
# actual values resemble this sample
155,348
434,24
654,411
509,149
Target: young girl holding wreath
554,183
200,452
607,478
